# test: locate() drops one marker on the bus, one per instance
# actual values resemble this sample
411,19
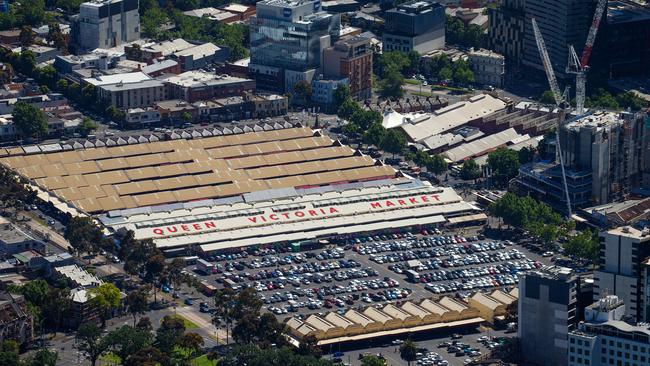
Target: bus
190,260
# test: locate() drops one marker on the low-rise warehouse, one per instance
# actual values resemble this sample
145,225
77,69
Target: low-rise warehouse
391,319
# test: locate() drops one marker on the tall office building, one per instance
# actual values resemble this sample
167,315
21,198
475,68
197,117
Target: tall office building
506,30
287,41
106,24
605,339
562,23
351,59
415,26
547,312
623,254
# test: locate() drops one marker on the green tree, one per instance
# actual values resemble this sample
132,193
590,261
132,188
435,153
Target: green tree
303,91
584,245
169,333
470,170
87,126
347,109
394,60
152,22
393,142
223,315
26,36
341,94
547,97
437,165
391,83
83,234
42,357
105,297
372,360
90,343
445,74
365,119
137,303
526,154
26,62
148,356
504,165
374,134
309,347
186,117
29,120
192,343
9,353
407,351
56,37
126,341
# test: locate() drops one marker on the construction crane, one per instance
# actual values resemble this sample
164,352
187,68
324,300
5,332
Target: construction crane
579,66
560,101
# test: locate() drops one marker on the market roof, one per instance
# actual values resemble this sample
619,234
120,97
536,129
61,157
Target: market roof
154,173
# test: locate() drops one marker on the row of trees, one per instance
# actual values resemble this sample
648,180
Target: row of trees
604,99
504,163
435,164
170,344
443,68
367,123
9,356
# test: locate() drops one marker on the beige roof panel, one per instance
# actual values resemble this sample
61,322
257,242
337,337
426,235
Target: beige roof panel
212,178
171,169
129,150
265,172
324,178
286,182
52,182
84,167
246,162
39,159
111,203
157,198
92,192
94,154
141,173
284,158
200,166
68,194
64,157
89,205
136,187
303,168
75,180
225,152
146,160
112,164
193,194
169,184
113,177
32,172
327,153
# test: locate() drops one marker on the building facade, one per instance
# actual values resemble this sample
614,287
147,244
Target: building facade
562,23
506,30
547,313
289,36
139,94
605,339
489,67
106,24
623,252
351,59
415,26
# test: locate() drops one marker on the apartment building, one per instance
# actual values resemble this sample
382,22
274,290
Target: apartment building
489,67
106,24
350,59
194,86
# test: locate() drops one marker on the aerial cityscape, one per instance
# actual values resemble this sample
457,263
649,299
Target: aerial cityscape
324,182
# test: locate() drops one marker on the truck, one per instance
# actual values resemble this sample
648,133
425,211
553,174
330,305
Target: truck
204,266
412,275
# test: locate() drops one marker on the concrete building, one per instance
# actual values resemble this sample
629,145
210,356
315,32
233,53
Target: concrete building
287,41
489,67
200,56
106,24
613,147
605,157
77,276
193,86
415,26
605,339
506,30
351,59
13,240
562,23
16,321
623,252
213,14
547,313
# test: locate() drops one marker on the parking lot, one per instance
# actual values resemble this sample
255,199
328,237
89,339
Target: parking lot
369,270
